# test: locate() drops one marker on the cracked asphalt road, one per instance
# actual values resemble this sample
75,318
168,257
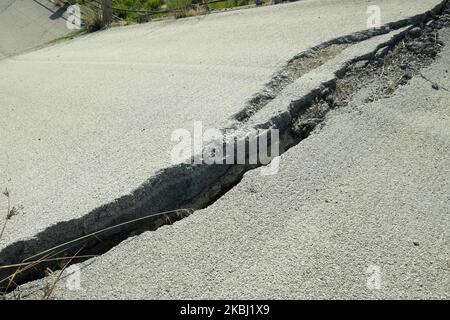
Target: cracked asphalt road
368,191
87,121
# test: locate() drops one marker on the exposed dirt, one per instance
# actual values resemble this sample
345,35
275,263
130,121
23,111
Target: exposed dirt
380,76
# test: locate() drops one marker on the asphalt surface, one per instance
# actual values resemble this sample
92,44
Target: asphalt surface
25,24
368,191
87,121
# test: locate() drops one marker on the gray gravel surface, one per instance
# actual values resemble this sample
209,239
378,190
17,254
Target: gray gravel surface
367,191
87,121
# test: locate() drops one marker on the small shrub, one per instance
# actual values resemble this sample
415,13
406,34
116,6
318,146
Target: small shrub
153,4
11,212
230,4
175,4
138,4
92,19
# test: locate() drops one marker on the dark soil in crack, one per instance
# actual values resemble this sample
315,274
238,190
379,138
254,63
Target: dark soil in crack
316,56
390,68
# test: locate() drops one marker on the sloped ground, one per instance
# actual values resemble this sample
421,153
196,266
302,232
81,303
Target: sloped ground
84,145
365,196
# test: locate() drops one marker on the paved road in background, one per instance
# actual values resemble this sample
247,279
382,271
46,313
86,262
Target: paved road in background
87,121
25,24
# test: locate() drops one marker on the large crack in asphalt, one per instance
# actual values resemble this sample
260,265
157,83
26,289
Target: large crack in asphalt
379,77
311,59
198,186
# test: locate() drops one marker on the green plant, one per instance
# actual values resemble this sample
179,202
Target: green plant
153,4
229,4
137,4
175,4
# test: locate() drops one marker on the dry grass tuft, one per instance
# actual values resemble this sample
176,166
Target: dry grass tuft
56,253
191,12
92,19
10,212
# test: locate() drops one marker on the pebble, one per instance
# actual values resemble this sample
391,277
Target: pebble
361,64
